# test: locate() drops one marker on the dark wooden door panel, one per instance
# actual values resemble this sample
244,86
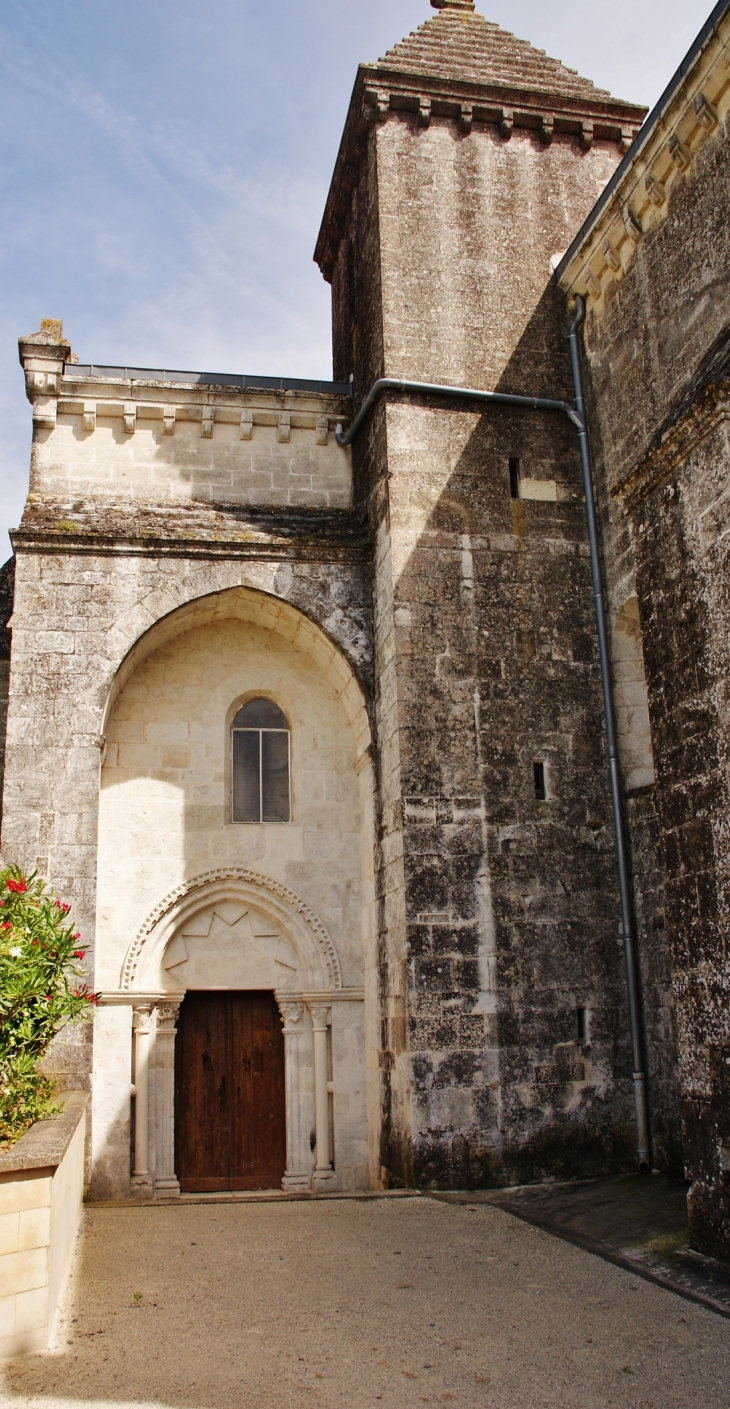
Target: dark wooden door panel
202,1093
257,1113
230,1126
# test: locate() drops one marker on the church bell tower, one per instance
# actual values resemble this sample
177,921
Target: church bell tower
468,162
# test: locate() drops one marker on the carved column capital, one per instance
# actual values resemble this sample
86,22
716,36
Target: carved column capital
291,1015
320,1014
142,1017
167,1015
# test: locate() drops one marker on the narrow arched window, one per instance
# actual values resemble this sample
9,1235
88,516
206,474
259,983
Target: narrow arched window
260,763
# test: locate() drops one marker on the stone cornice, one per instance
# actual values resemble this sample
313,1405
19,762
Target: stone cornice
105,527
677,443
55,390
694,115
381,93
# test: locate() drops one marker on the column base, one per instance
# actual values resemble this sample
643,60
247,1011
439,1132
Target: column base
166,1186
142,1186
322,1179
294,1183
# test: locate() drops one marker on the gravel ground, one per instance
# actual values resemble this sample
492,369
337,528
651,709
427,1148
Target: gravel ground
392,1302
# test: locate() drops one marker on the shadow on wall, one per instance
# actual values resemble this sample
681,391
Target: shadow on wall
519,1030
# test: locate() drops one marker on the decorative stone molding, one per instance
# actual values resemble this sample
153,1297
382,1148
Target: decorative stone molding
667,458
547,128
52,396
466,118
167,1015
612,258
631,223
323,430
195,890
679,152
506,123
655,189
43,356
642,196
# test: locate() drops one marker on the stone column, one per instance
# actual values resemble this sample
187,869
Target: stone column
142,1026
297,1175
165,1178
323,1164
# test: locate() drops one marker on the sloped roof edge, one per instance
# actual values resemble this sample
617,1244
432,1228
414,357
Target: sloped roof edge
665,102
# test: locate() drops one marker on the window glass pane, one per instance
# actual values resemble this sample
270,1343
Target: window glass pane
260,714
275,780
246,777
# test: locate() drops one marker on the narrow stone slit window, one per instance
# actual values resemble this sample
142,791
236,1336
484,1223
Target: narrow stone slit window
514,479
540,781
582,1025
260,764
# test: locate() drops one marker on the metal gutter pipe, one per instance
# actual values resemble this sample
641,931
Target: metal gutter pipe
576,415
622,861
456,393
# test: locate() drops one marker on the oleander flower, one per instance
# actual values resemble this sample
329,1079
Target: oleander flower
37,997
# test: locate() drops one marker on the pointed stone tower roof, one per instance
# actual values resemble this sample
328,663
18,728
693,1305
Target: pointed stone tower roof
458,65
460,44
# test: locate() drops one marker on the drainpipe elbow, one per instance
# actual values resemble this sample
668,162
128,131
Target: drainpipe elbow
580,314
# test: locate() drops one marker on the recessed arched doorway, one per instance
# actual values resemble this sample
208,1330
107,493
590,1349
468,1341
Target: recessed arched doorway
190,897
230,1100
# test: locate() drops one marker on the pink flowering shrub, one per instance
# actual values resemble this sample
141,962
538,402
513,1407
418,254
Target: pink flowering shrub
42,987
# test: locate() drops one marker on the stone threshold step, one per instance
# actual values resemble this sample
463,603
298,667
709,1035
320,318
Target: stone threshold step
247,1196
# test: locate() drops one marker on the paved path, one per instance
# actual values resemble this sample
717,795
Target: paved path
392,1302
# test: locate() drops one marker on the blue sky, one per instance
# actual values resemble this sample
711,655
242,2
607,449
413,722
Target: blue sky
164,166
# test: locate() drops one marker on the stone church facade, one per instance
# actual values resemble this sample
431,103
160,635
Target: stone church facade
320,725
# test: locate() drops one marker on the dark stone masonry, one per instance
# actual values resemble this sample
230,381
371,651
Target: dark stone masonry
451,840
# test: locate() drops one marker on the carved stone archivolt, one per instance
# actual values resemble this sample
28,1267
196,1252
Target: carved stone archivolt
292,914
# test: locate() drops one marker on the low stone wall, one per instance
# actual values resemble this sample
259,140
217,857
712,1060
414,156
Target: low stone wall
41,1192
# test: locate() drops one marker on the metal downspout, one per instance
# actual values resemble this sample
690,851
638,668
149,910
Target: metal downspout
576,415
627,917
455,393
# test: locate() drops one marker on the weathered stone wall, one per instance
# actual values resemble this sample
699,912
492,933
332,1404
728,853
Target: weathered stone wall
640,810
78,614
657,354
153,441
498,912
165,809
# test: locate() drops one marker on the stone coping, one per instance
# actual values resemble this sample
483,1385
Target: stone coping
45,1144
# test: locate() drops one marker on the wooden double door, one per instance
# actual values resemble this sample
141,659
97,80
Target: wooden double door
230,1115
